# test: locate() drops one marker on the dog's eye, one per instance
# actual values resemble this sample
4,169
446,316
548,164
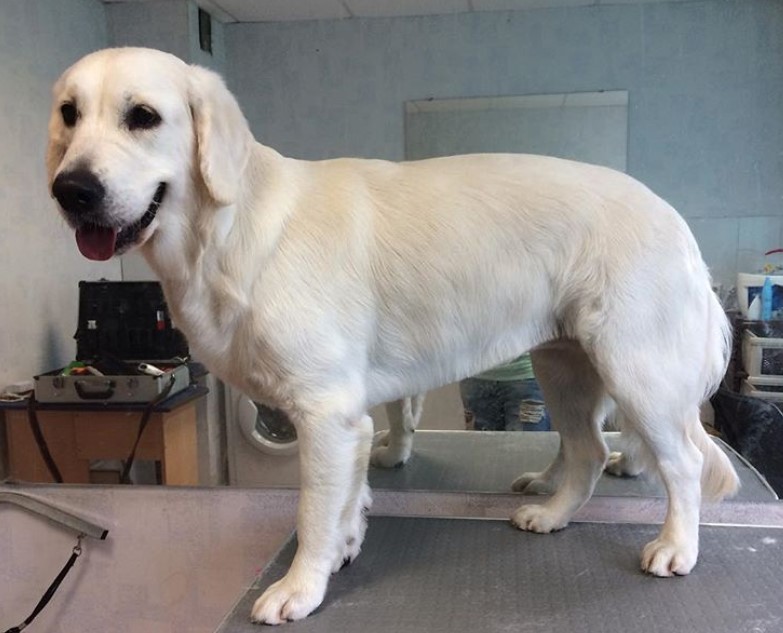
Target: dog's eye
142,117
69,114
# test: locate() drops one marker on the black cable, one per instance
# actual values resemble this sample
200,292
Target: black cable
51,590
35,426
145,418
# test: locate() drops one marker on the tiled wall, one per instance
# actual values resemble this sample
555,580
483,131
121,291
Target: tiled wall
705,86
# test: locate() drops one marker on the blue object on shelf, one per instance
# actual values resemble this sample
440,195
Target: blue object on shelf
766,300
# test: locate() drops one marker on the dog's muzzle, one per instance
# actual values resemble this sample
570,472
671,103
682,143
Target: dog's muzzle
82,196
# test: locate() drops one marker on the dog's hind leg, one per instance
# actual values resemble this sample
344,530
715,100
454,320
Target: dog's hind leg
576,400
679,463
658,392
392,448
625,464
333,449
634,457
689,464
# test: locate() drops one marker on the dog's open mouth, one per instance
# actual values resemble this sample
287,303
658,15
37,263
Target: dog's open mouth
103,242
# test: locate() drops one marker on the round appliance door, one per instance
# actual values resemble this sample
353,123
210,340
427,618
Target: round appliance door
268,430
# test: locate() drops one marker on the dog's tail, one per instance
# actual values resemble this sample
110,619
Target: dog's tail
718,477
719,340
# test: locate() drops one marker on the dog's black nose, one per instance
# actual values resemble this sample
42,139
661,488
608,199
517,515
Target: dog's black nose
78,191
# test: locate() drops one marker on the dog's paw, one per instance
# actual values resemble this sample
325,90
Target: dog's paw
620,465
538,518
290,598
664,557
531,484
386,454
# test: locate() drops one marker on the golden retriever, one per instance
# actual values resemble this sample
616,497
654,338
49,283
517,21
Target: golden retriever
324,288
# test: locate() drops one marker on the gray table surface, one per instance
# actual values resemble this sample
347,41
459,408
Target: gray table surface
459,576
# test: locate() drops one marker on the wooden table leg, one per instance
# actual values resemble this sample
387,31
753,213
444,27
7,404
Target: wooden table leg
180,447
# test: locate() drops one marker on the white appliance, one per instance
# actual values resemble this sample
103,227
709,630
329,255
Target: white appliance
261,443
262,449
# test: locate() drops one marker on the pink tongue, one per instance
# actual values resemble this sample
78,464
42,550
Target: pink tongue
96,242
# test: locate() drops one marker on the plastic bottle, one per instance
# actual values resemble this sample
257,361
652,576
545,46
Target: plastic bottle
766,300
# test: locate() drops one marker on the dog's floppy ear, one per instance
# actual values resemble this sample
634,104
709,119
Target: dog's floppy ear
222,134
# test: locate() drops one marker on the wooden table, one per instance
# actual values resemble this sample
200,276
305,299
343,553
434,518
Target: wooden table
79,433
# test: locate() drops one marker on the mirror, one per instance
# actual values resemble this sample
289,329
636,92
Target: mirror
585,126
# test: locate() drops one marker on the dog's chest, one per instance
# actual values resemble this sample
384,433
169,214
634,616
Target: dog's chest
222,332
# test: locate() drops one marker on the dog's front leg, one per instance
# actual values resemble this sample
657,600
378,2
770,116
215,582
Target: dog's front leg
353,520
329,470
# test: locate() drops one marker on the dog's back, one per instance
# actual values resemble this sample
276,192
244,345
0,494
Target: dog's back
475,259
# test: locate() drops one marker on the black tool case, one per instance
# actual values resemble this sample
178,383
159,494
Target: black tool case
121,324
128,320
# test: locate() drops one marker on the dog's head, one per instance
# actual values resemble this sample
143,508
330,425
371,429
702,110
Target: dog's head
132,135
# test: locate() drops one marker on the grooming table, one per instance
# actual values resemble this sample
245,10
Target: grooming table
484,576
487,462
431,569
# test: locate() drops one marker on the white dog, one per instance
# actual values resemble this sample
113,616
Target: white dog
324,288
